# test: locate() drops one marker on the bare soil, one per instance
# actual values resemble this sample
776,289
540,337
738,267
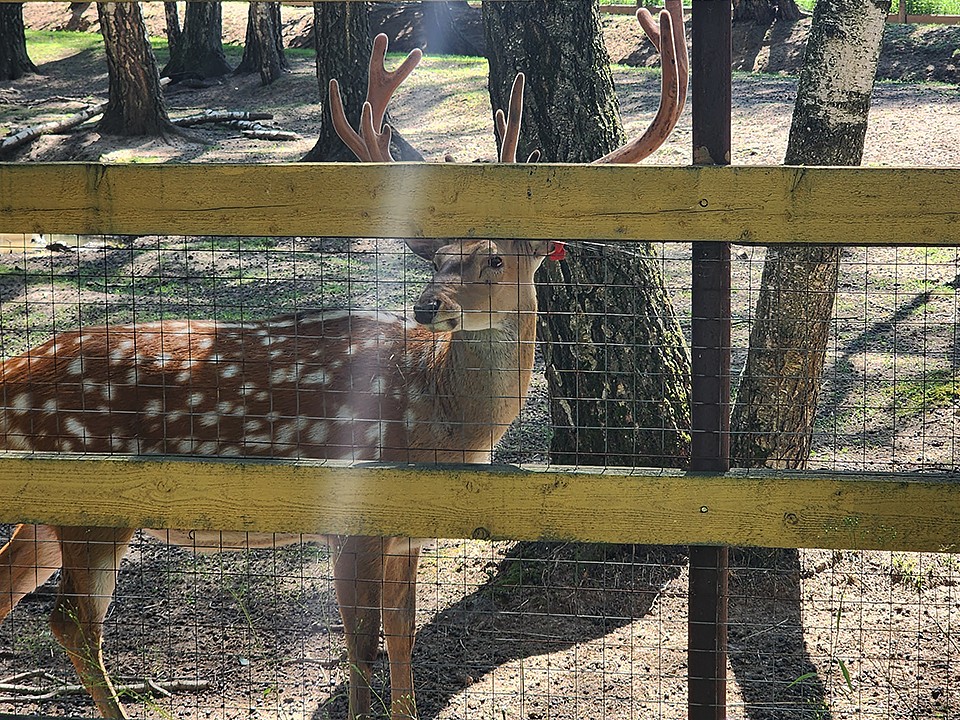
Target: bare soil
514,631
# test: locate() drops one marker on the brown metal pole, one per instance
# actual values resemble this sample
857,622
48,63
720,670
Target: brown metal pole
711,57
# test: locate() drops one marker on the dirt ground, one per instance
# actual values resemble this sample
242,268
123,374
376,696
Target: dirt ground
505,630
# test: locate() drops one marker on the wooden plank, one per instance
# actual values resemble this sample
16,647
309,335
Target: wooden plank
924,19
751,205
825,510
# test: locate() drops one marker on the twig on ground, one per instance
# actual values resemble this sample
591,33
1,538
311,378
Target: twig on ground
14,688
220,116
54,126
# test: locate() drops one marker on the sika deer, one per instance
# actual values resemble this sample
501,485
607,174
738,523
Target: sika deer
357,386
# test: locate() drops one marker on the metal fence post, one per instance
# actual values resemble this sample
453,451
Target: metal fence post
711,99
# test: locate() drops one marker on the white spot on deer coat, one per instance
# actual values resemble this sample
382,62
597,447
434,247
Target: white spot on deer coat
318,433
230,371
76,428
374,436
317,377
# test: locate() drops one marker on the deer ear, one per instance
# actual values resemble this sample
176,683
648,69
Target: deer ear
426,247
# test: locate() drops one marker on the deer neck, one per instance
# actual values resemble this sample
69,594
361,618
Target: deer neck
479,380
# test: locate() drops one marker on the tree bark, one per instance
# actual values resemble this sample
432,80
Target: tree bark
199,54
174,34
342,31
135,105
776,404
14,61
764,12
617,364
443,34
263,46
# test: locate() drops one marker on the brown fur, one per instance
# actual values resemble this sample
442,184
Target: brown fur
355,386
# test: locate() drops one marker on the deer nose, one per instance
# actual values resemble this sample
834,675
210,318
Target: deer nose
426,313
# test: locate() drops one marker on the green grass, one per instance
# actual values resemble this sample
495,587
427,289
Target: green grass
45,46
938,388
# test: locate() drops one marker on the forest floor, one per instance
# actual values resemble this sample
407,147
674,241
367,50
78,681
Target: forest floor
512,630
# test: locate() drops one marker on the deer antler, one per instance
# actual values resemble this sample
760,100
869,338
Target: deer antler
508,127
372,143
669,39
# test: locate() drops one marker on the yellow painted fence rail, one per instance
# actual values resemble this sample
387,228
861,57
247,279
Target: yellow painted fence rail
740,204
763,508
757,205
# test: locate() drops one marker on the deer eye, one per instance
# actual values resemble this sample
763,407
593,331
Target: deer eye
495,262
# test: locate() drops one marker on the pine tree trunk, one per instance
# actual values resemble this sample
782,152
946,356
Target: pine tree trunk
617,364
764,12
443,33
135,105
199,54
174,34
342,31
14,61
777,399
263,47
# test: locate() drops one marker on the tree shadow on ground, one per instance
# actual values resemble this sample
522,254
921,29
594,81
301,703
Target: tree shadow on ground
767,650
547,597
543,598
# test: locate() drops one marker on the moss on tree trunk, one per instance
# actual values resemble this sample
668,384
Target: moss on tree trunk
617,364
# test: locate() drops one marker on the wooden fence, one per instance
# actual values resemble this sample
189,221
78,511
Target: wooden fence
901,16
892,511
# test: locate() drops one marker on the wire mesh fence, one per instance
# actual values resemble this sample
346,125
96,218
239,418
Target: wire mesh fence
518,630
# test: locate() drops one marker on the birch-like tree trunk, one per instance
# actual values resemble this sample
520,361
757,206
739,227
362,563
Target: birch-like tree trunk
776,404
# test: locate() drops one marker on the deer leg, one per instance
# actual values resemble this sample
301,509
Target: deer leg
91,557
27,561
358,577
399,627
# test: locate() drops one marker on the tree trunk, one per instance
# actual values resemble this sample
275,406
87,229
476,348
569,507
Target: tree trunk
174,34
199,54
773,419
443,33
342,30
764,12
14,61
617,365
135,105
776,403
263,47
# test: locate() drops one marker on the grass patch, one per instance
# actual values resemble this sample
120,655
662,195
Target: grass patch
45,46
936,389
